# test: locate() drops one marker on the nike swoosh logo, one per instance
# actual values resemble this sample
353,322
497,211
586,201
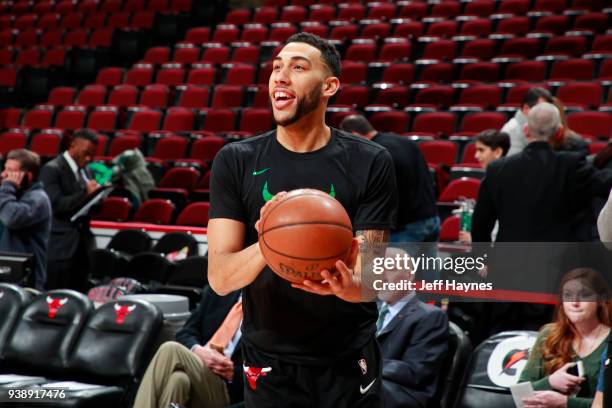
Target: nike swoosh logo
365,389
257,173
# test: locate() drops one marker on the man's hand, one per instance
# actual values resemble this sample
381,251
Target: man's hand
15,177
92,185
564,382
217,363
343,283
266,208
546,399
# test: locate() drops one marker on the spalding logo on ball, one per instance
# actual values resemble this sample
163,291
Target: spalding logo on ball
303,233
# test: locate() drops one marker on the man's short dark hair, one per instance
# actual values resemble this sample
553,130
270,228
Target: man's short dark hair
494,139
357,124
28,161
86,134
329,53
534,94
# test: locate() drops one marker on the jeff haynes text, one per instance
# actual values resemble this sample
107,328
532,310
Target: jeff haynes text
437,285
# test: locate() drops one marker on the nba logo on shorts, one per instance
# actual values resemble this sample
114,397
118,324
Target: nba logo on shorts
363,365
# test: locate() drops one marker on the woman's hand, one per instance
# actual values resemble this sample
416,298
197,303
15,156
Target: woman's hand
546,399
564,382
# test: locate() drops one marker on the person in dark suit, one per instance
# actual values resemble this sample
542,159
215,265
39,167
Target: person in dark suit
535,194
68,184
203,367
413,339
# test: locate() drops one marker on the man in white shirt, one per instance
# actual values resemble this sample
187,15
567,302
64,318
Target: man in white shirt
516,126
413,338
68,184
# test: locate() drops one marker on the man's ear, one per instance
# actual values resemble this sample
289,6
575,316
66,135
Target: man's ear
331,86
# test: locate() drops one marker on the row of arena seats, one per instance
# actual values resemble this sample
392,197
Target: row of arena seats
24,8
62,37
158,210
410,9
57,337
543,23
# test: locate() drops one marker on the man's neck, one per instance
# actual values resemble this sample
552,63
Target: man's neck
308,134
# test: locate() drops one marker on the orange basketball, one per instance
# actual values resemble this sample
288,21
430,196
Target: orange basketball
303,233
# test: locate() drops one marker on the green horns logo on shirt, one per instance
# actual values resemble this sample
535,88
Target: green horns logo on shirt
267,196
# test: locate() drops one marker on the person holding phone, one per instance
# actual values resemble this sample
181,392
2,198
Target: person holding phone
25,211
578,336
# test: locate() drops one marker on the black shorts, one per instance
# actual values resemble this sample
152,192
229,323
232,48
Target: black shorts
353,381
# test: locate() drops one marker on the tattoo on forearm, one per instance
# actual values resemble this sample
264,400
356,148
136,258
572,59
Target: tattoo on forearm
371,240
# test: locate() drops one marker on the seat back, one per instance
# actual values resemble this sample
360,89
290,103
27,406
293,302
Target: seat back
46,332
459,350
148,267
12,299
116,342
495,365
130,241
175,241
192,271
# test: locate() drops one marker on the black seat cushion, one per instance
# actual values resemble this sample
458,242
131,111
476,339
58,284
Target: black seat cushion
12,299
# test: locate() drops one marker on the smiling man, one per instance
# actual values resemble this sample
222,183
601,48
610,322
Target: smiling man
308,344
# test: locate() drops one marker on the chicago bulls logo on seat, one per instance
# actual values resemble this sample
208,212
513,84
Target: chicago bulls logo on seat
55,305
122,312
253,373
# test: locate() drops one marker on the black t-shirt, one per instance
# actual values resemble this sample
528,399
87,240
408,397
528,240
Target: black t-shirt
279,319
416,193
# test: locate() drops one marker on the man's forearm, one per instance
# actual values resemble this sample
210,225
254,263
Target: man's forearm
372,244
228,272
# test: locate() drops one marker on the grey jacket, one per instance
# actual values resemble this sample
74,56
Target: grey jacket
515,128
27,225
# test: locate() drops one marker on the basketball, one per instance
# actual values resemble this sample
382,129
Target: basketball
305,232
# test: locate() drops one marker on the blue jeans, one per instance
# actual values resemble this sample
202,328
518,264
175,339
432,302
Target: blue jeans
420,238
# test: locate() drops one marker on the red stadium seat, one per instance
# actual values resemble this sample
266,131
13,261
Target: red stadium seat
71,21
95,20
47,143
226,33
102,37
155,96
113,209
171,75
122,143
447,9
554,24
159,6
527,70
486,96
567,45
361,52
344,32
76,38
597,22
436,124
385,11
482,48
518,26
265,15
61,96
55,57
38,117
171,148
139,75
123,96
216,55
353,72
573,69
186,53
439,151
28,56
92,95
282,33
437,95
437,72
445,28
155,211
413,10
195,214
376,30
247,54
481,8
409,29
219,120
110,76
461,188
206,148
555,6
145,120
480,27
240,74
238,17
193,96
201,75
516,93
480,71
602,43
10,118
449,230
399,73
27,38
103,118
522,47
479,121
111,6
517,7
180,177
143,20
391,121
322,12
72,117
440,50
133,5
355,95
395,51
254,33
255,120
587,94
157,55
11,141
227,96
198,35
596,124
393,95
351,11
179,119
469,154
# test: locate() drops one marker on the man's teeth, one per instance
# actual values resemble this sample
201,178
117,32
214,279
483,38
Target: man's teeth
281,95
